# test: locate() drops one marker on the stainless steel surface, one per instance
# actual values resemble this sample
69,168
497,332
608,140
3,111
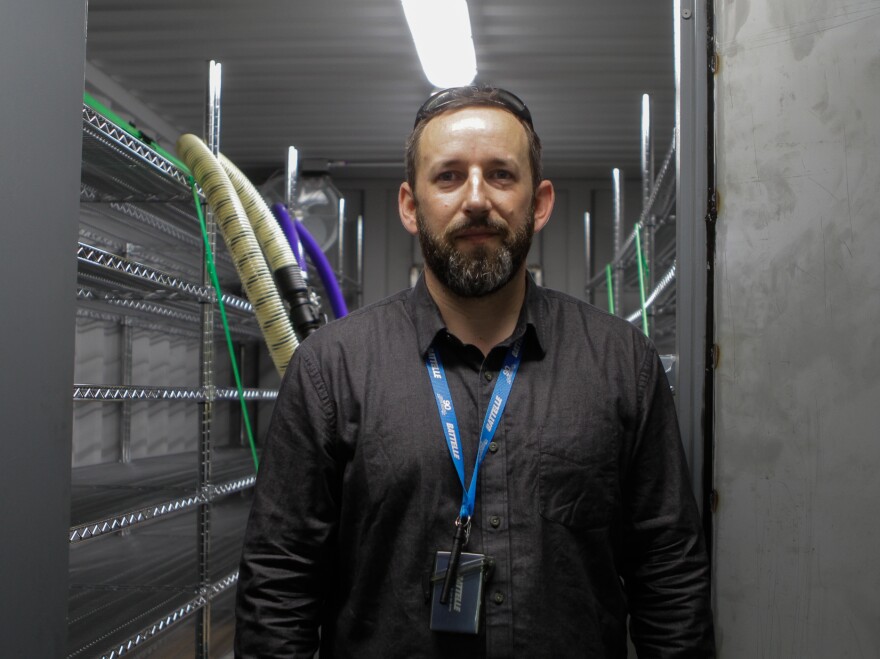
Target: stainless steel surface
341,81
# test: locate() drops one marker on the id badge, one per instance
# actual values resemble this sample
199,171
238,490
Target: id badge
462,614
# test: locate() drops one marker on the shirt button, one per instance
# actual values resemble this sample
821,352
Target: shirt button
495,521
493,447
498,597
488,376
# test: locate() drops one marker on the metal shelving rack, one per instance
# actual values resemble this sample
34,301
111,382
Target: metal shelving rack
655,228
154,538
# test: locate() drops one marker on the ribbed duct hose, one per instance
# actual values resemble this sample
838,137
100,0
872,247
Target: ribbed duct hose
246,255
279,254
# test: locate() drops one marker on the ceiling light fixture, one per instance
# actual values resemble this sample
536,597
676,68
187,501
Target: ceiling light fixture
441,30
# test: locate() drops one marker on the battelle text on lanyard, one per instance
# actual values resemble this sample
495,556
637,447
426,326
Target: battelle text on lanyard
449,423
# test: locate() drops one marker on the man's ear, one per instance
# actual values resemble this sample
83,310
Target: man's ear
545,196
406,205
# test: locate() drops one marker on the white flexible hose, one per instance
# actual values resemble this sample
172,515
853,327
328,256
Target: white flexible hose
288,276
269,234
239,238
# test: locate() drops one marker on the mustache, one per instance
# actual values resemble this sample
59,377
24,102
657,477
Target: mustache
480,222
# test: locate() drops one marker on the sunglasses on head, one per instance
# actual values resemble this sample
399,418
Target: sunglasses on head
496,96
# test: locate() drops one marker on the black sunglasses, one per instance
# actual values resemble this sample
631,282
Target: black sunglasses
496,96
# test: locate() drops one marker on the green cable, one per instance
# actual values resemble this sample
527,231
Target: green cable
136,133
213,272
642,266
610,286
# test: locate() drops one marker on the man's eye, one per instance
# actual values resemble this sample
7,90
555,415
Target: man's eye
446,176
503,174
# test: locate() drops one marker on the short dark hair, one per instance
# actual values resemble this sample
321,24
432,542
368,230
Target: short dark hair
457,98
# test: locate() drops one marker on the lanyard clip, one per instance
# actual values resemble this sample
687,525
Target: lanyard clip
459,540
463,523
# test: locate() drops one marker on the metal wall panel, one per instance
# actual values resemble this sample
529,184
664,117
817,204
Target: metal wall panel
42,46
799,280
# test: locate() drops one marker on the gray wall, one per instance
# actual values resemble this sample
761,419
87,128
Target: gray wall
42,47
798,304
389,251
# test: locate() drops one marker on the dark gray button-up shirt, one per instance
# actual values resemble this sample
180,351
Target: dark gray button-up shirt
584,505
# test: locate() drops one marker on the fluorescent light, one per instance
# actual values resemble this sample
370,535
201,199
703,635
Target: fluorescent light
441,30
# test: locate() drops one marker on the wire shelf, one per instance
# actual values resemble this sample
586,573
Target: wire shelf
126,169
109,498
89,392
132,588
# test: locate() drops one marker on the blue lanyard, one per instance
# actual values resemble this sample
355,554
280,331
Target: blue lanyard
449,422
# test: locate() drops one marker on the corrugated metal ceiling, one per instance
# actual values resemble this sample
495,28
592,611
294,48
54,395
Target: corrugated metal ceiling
340,79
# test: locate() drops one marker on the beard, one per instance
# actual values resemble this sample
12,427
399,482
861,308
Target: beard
484,269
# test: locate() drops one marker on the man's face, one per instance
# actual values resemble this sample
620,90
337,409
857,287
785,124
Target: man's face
474,199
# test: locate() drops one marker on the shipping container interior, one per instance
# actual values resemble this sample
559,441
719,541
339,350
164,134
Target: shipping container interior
716,172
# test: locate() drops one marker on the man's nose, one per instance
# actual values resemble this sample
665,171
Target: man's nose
477,200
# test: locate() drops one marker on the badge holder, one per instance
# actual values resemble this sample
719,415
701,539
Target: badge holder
462,613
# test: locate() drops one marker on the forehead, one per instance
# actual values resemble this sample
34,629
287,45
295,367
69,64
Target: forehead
474,131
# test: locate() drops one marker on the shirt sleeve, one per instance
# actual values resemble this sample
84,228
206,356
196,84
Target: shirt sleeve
285,572
666,571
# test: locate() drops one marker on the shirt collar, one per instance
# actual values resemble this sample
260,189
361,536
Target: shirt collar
429,323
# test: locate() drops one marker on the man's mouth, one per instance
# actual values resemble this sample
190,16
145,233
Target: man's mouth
477,232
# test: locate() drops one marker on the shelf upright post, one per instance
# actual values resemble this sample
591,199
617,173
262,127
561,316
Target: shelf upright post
647,153
360,261
617,177
588,256
290,196
203,623
340,275
127,358
292,170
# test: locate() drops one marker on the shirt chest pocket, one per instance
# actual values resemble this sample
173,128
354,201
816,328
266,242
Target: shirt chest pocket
578,482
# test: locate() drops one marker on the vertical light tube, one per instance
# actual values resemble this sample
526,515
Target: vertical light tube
617,178
212,139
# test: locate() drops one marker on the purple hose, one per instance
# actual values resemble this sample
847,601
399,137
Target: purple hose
286,223
328,277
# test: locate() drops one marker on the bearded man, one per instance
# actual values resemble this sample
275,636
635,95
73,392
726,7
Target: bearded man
477,467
